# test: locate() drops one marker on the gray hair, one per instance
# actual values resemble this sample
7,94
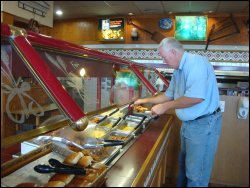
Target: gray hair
171,43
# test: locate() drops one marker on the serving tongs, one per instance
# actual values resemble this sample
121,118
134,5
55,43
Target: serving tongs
106,116
129,110
58,167
57,164
58,139
96,142
151,116
99,143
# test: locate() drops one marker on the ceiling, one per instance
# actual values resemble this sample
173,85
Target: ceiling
84,9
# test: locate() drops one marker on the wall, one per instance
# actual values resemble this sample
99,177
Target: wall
11,7
231,52
231,165
84,31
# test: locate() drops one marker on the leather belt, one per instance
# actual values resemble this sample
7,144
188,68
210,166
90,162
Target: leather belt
216,111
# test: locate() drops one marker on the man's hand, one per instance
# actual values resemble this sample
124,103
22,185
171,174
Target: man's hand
159,109
140,101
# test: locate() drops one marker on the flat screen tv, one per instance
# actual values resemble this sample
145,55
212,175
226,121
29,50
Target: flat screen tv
111,29
191,28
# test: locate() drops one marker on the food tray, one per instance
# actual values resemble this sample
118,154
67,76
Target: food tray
108,123
119,135
127,126
131,124
20,170
103,154
141,114
96,118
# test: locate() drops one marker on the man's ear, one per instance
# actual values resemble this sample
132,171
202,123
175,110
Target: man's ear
173,51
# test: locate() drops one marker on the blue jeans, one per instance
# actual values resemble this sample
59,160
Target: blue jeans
199,140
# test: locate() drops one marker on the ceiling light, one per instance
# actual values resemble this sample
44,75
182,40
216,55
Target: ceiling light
210,11
82,72
130,14
59,12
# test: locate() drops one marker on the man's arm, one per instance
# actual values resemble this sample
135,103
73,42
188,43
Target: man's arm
160,98
182,102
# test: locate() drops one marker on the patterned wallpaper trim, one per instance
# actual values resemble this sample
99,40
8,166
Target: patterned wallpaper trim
239,56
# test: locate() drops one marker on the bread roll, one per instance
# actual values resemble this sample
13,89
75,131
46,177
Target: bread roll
78,182
54,184
66,178
73,158
86,152
27,184
85,161
99,167
91,175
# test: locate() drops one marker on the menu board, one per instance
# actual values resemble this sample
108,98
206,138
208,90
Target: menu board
111,29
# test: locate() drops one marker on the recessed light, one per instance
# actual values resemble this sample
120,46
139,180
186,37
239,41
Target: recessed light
59,12
130,14
210,11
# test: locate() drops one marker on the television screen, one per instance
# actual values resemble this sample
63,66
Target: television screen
111,29
193,28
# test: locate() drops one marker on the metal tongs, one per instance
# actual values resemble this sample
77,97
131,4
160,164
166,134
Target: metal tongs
103,143
106,116
129,108
98,143
151,116
58,167
58,139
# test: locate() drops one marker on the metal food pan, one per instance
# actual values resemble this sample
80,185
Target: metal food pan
119,135
108,123
127,126
95,118
20,170
97,132
134,118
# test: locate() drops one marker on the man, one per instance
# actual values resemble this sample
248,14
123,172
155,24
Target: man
193,93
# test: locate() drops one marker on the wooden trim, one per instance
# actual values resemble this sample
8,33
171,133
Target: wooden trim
11,140
152,154
13,165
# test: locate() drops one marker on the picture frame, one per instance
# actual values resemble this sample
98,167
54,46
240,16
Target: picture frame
191,28
111,29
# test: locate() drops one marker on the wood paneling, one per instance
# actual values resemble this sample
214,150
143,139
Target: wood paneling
231,165
84,31
7,18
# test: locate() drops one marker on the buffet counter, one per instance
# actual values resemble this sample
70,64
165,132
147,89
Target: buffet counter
55,100
144,163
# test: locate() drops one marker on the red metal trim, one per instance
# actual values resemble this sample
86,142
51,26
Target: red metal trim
42,70
99,94
5,29
143,79
66,46
166,82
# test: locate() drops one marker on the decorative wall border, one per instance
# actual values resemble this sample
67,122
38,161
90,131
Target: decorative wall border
233,59
152,54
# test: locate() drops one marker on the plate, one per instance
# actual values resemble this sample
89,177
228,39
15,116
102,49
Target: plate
166,23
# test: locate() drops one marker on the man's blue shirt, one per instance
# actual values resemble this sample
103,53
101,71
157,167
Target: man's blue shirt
194,78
